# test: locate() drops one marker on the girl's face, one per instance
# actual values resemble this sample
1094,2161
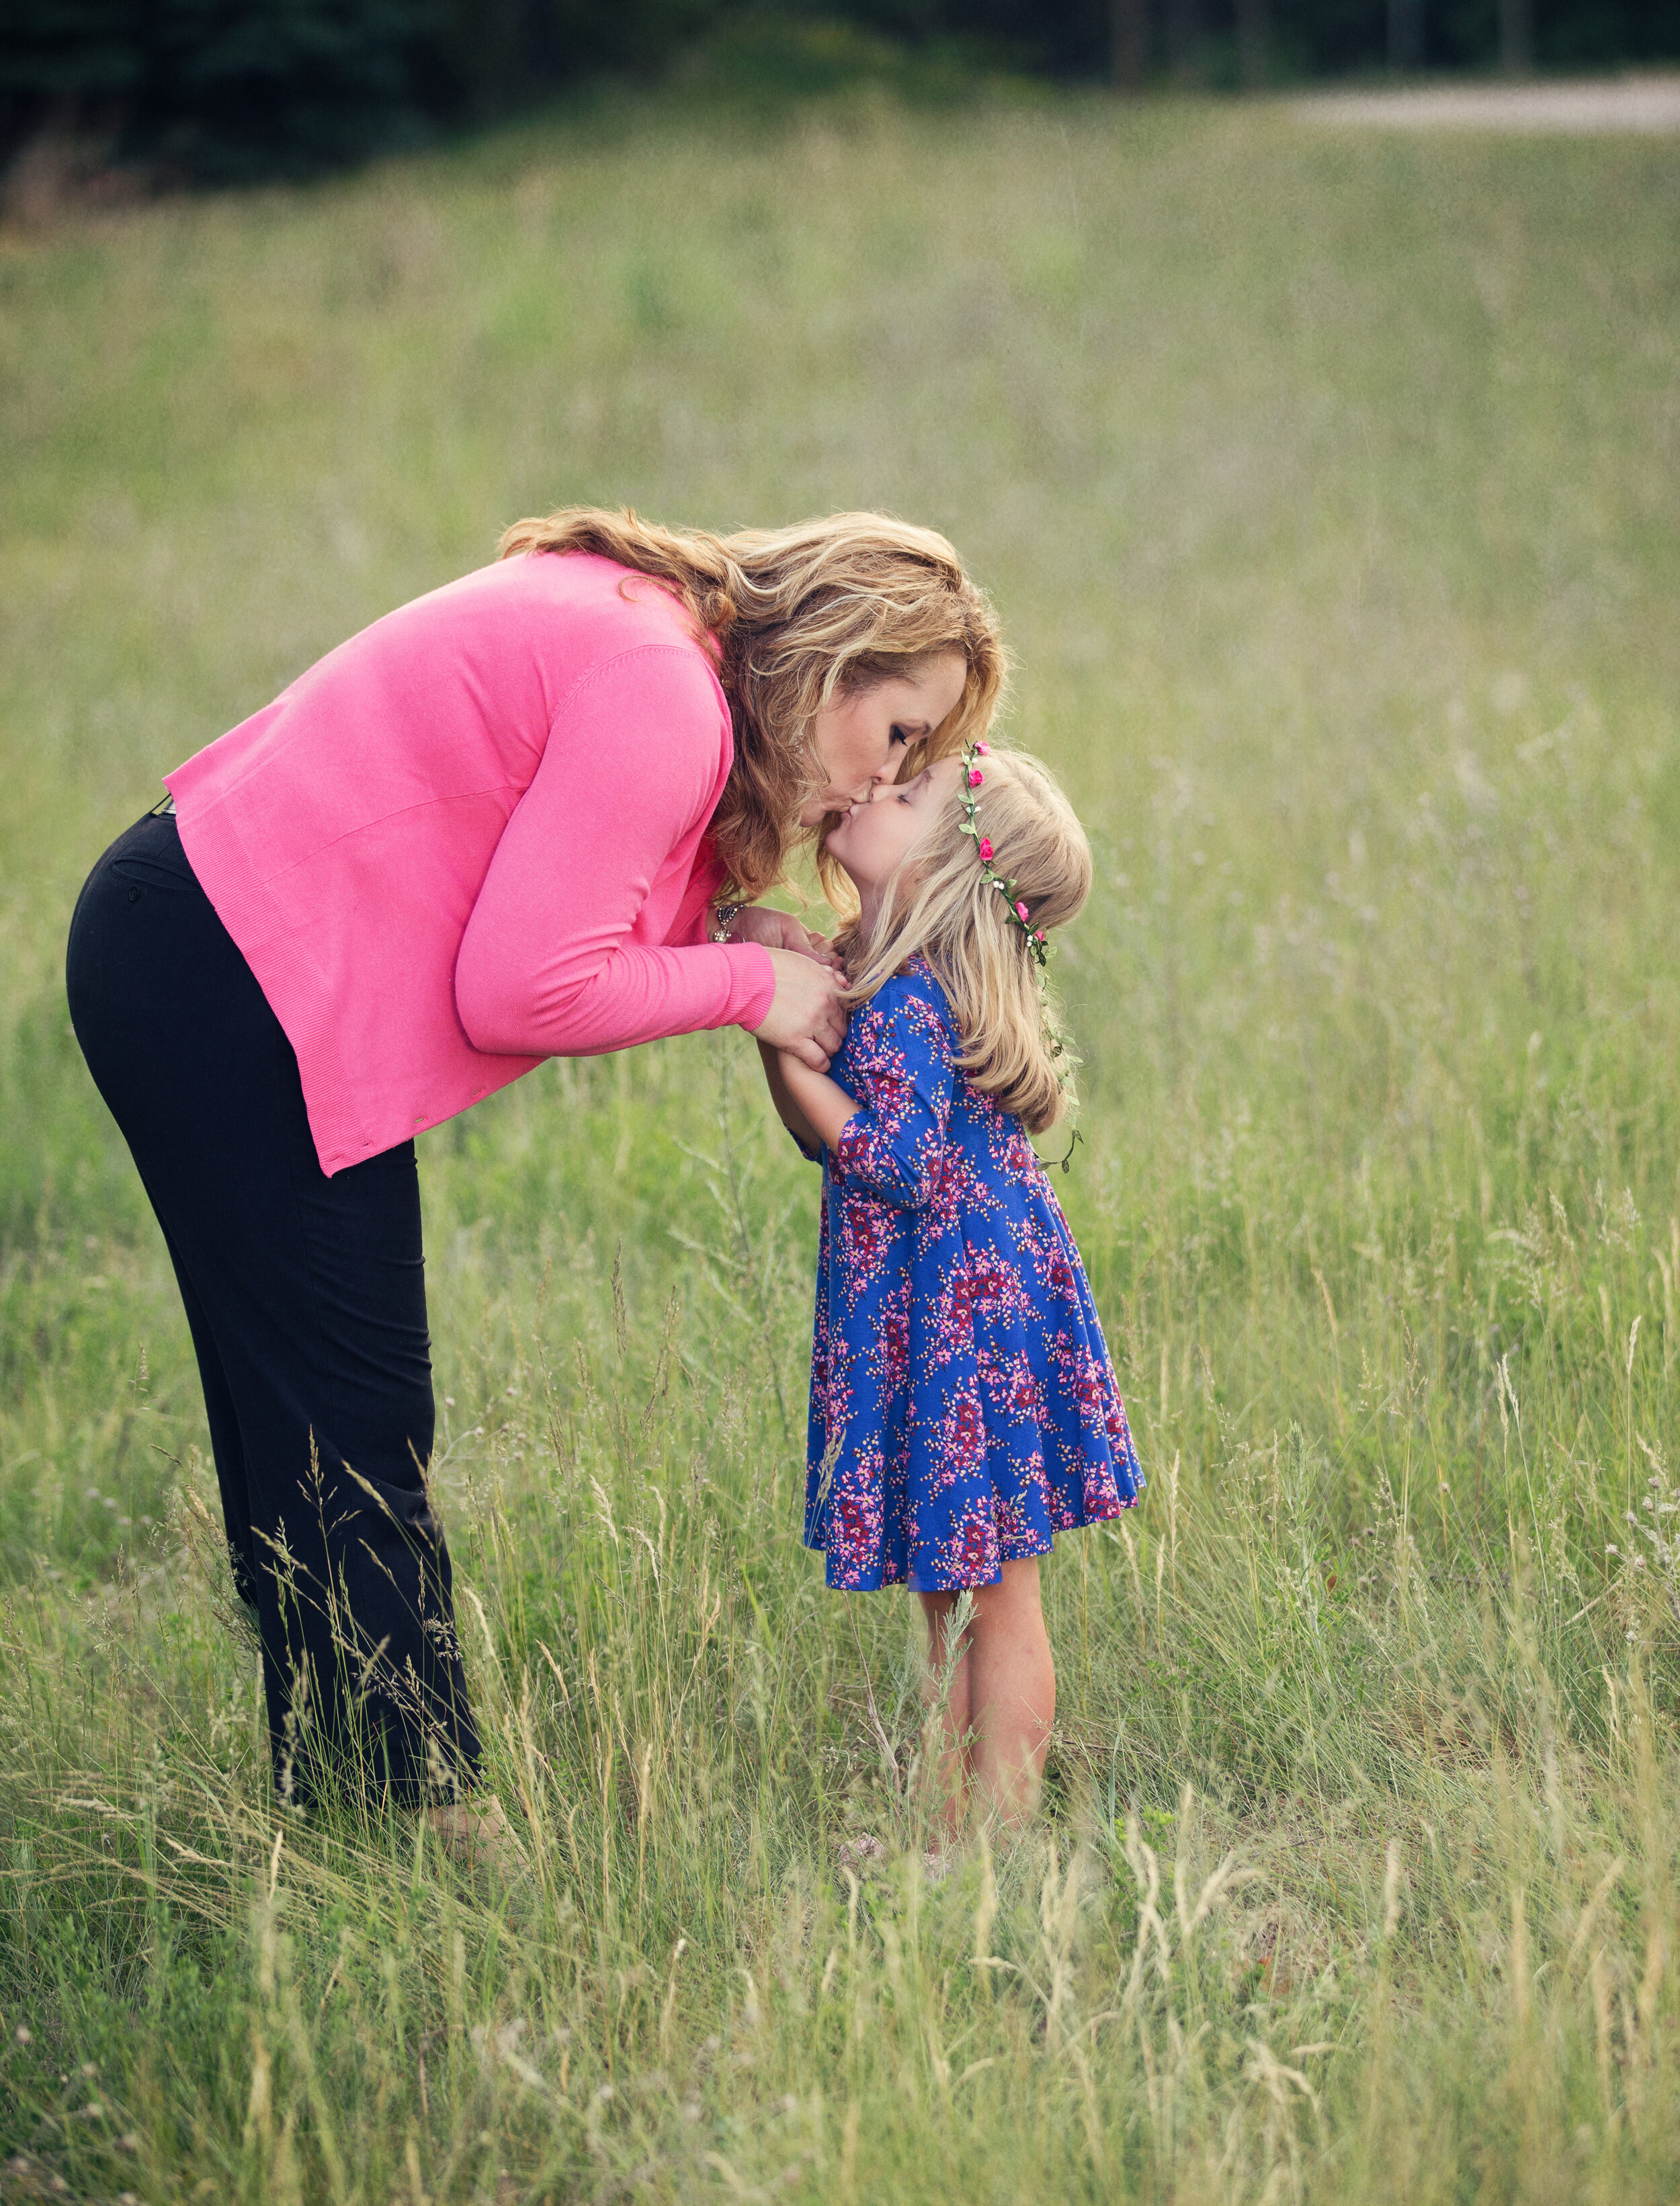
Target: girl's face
880,831
860,739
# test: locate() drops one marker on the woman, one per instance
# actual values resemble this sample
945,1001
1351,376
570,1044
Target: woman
528,815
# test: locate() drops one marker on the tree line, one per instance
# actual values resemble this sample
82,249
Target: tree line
223,89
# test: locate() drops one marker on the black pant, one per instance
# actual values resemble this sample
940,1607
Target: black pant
307,1300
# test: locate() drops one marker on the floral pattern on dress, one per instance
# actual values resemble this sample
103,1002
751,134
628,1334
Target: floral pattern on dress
964,1406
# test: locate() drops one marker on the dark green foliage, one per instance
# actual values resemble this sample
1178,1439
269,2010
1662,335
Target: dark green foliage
1307,37
226,90
223,89
1568,33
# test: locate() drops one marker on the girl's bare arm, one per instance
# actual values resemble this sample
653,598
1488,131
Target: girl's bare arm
780,1095
821,1104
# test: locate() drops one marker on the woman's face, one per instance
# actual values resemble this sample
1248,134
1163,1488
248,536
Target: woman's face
860,739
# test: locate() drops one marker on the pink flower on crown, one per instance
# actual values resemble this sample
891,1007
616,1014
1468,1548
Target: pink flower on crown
1021,913
982,750
975,776
985,848
1038,938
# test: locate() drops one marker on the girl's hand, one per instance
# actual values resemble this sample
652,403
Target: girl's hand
780,930
805,1017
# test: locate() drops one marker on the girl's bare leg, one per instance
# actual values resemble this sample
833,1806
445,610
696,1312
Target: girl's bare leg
950,1777
1011,1692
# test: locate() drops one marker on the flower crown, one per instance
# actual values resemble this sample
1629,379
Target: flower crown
973,777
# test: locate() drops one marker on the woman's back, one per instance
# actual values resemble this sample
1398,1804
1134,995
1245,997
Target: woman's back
470,837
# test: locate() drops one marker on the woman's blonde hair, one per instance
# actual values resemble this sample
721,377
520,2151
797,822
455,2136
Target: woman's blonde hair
941,905
799,617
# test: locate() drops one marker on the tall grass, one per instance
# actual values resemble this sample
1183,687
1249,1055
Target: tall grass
1327,488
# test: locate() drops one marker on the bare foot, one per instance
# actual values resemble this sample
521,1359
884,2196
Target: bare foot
474,1834
865,1855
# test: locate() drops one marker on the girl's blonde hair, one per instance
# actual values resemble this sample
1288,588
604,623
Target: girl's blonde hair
799,618
940,905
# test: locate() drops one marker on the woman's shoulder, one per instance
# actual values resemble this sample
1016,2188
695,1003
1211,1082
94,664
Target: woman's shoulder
566,618
612,648
613,609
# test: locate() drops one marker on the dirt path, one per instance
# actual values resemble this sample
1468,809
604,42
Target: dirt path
1645,104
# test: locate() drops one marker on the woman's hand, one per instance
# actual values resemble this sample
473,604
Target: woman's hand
780,930
805,1017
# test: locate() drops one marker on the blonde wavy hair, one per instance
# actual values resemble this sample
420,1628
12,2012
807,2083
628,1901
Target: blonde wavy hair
800,618
940,905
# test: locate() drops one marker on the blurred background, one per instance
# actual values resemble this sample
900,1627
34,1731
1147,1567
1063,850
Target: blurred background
236,88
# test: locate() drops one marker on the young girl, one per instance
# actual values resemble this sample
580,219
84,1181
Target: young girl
963,1408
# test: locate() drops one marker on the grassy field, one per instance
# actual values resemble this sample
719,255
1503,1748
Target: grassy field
1327,484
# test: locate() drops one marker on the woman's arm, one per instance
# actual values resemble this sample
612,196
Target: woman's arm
547,965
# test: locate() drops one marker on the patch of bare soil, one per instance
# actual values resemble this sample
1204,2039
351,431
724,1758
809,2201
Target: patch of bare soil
1647,105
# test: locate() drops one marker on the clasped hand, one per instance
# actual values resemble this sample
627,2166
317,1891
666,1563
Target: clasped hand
805,1017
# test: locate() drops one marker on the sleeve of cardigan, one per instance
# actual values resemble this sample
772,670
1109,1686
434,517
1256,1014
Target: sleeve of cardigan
545,966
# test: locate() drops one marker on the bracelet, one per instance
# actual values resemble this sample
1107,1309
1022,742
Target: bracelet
727,915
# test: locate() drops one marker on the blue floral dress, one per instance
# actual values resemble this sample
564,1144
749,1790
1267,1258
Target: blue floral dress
963,1407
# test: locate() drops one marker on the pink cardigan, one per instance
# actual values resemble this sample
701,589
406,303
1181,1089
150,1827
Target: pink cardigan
475,837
